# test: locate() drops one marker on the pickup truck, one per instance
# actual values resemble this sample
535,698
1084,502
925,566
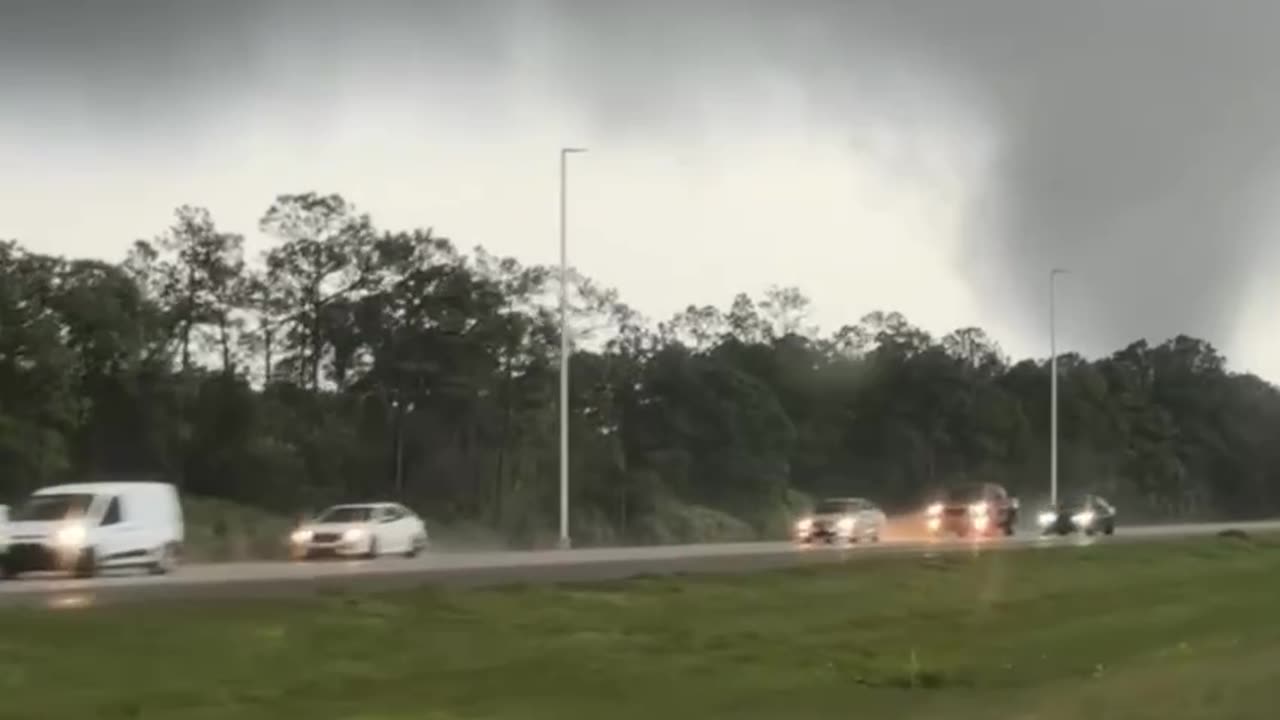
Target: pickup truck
978,509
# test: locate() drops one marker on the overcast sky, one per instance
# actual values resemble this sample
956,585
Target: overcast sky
934,157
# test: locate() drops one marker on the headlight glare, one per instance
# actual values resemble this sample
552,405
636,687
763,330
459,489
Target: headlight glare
934,509
70,536
805,524
1083,518
301,536
845,524
1047,518
353,534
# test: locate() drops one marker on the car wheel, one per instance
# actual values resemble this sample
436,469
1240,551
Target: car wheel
8,570
1111,528
166,560
1008,529
415,546
86,564
373,548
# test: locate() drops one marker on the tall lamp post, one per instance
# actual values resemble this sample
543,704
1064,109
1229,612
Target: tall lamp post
1053,386
564,347
400,409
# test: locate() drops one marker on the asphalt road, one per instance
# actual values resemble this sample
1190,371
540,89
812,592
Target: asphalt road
260,579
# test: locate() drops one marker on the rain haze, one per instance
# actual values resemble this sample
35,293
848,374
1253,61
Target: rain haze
932,158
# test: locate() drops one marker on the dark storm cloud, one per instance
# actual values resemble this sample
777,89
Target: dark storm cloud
123,58
1139,148
138,65
1135,138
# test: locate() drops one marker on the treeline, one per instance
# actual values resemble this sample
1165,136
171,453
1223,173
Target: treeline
351,362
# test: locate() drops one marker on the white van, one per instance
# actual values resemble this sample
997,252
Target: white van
88,526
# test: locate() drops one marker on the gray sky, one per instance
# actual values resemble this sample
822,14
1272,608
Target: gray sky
937,158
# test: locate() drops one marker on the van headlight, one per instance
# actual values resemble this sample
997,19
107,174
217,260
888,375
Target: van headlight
353,534
70,536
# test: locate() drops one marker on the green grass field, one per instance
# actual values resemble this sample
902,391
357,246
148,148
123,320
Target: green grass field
1171,630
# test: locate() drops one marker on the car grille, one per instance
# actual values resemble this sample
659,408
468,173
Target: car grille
325,537
956,511
30,556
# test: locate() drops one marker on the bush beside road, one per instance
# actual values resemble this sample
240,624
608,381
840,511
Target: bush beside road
223,531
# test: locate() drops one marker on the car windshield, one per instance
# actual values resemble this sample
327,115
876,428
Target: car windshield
832,507
1073,503
346,514
53,507
963,494
1080,502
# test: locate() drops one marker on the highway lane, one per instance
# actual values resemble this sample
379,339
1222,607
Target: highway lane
259,579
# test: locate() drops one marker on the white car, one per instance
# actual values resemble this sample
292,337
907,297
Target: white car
842,520
360,530
89,526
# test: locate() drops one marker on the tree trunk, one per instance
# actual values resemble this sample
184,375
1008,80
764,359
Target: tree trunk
268,336
500,479
186,346
225,337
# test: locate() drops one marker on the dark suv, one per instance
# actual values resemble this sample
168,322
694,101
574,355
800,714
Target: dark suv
1088,514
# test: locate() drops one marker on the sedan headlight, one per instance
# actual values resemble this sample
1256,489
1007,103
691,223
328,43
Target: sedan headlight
70,536
301,536
353,534
933,510
805,525
1083,519
1047,518
845,525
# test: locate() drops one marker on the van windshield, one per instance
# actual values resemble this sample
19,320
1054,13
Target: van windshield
53,507
345,514
964,494
835,506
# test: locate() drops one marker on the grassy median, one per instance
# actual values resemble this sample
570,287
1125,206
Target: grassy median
1170,630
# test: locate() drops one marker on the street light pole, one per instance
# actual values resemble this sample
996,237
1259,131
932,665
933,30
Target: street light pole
564,347
1053,387
401,412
